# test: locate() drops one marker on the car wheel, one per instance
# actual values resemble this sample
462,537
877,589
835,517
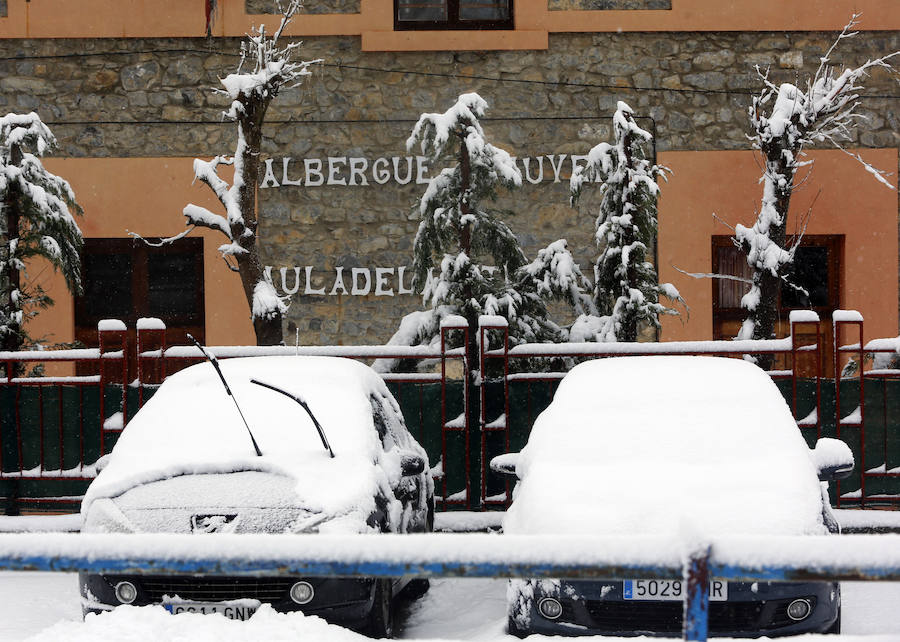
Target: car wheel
416,588
381,617
513,629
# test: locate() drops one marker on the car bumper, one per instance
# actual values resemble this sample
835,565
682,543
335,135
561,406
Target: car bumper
590,608
343,601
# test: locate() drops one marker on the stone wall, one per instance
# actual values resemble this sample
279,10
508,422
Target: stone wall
154,98
606,5
257,7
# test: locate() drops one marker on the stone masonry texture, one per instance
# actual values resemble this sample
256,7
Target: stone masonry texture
257,7
154,98
606,5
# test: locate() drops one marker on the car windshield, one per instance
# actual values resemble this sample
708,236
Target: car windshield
191,426
666,445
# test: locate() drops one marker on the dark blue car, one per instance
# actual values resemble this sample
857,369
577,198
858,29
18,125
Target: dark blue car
670,446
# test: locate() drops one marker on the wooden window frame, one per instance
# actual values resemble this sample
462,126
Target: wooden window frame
140,282
835,245
453,21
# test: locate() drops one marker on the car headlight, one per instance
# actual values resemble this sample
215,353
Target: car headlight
302,592
126,592
550,608
103,516
799,610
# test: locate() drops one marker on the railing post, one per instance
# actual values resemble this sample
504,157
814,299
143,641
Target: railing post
488,325
151,335
800,319
850,319
112,337
449,324
696,601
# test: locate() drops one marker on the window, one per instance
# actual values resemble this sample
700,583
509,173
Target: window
453,14
126,279
816,269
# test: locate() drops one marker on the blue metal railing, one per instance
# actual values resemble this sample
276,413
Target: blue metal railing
849,557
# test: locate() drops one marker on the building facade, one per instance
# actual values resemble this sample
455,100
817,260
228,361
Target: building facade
127,89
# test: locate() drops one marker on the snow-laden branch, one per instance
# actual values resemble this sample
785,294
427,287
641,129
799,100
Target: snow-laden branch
786,120
626,291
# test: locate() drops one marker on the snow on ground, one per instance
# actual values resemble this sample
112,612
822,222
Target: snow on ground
44,607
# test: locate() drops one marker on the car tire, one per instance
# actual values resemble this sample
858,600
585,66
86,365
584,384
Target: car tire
416,588
381,618
513,629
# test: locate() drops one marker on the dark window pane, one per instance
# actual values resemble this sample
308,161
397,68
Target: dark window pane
732,262
107,287
810,272
173,286
483,9
422,10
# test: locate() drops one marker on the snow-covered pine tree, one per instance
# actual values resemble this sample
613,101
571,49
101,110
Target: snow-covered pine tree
37,211
626,290
270,68
466,258
823,112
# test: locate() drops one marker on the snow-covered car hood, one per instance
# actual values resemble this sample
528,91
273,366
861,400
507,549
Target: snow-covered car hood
191,428
242,502
666,445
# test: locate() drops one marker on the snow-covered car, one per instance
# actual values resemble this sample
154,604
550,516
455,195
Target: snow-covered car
335,457
679,446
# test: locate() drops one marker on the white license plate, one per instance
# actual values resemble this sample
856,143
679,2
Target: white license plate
661,590
230,611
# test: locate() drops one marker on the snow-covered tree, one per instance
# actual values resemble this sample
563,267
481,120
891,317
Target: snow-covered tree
37,212
786,120
265,68
626,291
466,257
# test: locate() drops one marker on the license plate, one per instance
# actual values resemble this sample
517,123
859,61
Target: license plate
231,611
662,590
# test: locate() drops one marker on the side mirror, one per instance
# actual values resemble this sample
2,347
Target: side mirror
411,464
833,459
505,464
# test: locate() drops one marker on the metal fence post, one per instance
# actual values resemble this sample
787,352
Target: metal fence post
696,602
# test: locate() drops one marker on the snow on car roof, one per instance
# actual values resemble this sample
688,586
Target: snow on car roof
191,426
666,445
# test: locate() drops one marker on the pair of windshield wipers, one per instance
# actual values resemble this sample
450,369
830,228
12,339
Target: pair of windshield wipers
215,362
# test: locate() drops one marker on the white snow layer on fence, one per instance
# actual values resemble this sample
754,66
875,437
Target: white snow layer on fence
472,555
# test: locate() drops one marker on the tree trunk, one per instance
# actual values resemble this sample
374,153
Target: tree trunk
473,366
268,329
629,323
12,339
780,175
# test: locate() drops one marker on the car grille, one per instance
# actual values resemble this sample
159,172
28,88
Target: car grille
215,589
666,617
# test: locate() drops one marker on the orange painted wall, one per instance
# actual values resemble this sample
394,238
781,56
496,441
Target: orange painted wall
146,196
177,18
848,200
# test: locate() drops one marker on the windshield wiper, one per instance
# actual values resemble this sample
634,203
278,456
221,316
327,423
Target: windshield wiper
304,406
215,363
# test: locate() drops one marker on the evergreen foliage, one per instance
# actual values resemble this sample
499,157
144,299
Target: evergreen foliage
626,291
37,212
467,258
